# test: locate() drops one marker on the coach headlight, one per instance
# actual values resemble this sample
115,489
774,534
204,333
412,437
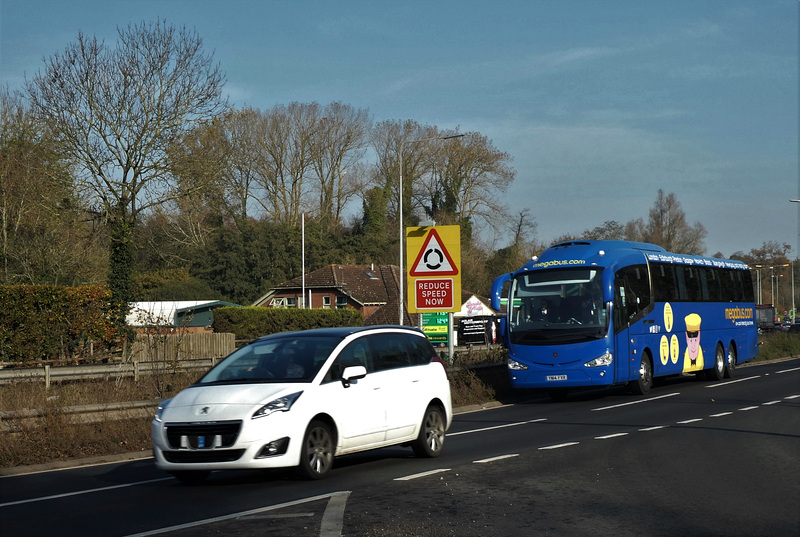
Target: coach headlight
281,404
600,361
516,366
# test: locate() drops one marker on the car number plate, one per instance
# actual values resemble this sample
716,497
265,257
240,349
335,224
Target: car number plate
556,377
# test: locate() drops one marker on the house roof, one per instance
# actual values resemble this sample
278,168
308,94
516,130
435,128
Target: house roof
365,284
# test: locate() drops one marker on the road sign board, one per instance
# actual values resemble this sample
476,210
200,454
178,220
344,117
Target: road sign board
434,278
434,294
433,258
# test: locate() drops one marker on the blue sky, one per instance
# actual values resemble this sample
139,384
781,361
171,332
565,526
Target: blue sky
599,102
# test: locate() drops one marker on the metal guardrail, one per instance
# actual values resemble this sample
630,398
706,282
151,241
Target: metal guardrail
50,374
82,413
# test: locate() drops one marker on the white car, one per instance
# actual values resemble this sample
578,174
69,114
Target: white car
297,399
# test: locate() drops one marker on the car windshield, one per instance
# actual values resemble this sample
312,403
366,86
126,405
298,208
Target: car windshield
557,306
280,359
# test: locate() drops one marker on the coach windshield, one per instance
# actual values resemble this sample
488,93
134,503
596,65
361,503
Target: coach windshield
557,306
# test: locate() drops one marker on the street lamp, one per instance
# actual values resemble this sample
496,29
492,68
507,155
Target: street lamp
402,231
758,282
796,255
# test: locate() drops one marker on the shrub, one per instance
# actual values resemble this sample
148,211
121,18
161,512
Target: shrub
253,322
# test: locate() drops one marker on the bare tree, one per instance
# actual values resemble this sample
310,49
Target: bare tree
338,146
283,153
668,228
468,175
413,145
44,237
116,110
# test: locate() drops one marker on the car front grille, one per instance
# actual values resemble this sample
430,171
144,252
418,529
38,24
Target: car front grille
207,435
219,455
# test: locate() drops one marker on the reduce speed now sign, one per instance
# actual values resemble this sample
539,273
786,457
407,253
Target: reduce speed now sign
434,277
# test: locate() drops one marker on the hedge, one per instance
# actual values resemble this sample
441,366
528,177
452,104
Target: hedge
252,322
47,322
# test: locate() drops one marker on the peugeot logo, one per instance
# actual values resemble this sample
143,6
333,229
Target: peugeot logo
205,410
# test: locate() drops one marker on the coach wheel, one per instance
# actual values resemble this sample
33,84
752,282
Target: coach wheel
730,367
718,371
642,385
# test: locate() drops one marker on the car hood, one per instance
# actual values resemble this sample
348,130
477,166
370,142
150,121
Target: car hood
223,402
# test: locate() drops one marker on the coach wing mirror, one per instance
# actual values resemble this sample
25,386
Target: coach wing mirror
352,373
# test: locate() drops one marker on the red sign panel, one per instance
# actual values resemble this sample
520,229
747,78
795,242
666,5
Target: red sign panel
434,294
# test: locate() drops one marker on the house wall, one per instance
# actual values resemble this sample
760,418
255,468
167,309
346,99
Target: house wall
318,300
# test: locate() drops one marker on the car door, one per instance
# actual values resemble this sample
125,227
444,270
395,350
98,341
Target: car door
357,407
399,381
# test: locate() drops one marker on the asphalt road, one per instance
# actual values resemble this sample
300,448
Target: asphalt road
691,458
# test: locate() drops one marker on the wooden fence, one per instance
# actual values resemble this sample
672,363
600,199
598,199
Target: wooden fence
179,347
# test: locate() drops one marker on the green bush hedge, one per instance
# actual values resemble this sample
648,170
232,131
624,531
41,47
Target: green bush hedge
253,322
48,322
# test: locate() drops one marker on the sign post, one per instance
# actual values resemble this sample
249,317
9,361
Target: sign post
434,277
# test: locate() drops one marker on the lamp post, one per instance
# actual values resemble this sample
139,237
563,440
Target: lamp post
796,254
400,207
758,282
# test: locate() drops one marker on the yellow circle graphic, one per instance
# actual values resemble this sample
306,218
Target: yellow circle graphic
674,349
664,350
668,317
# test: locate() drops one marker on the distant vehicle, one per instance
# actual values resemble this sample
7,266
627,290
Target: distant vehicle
765,316
598,313
298,399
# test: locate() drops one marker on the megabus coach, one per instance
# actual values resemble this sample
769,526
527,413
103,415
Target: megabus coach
598,313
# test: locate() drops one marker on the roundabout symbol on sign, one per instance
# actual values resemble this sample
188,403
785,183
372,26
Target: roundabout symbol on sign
430,265
433,259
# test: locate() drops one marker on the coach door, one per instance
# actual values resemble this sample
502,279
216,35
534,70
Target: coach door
621,338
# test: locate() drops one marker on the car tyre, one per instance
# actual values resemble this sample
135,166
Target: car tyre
316,456
430,441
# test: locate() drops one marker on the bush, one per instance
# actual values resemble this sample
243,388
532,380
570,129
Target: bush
253,322
46,322
778,344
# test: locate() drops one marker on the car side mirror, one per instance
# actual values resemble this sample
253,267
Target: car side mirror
352,373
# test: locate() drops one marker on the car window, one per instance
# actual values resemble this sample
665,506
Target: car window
355,353
420,349
287,359
389,351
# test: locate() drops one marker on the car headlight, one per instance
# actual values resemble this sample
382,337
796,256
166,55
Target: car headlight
605,359
281,404
160,410
515,365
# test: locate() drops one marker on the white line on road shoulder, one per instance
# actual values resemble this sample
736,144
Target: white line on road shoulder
498,458
484,429
557,446
718,384
606,437
636,402
238,515
423,474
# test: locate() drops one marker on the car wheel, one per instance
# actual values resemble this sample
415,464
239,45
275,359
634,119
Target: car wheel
191,477
316,457
718,371
430,441
642,385
730,368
